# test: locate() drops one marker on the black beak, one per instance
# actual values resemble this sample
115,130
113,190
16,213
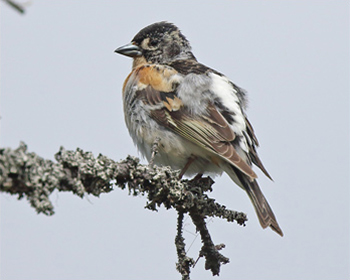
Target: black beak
129,50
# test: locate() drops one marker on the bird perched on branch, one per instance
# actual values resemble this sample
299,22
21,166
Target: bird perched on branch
196,113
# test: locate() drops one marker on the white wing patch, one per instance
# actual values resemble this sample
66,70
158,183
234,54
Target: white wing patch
222,89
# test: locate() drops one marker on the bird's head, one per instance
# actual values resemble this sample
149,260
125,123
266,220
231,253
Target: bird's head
161,42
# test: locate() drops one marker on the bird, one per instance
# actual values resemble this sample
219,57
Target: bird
196,113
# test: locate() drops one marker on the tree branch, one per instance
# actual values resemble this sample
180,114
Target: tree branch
18,7
27,175
185,263
213,259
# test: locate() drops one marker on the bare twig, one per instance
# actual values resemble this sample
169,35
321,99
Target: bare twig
154,151
18,7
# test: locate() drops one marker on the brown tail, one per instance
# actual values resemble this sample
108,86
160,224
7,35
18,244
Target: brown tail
262,207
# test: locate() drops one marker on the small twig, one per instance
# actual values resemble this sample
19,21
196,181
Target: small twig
197,260
217,247
184,263
154,151
213,259
194,239
18,7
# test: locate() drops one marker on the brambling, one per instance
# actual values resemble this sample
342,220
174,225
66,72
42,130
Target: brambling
197,113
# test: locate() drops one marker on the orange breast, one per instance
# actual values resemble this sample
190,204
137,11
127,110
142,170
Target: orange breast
158,77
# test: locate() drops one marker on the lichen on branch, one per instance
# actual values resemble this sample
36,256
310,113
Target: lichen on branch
27,175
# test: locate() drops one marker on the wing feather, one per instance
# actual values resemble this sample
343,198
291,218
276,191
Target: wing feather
210,130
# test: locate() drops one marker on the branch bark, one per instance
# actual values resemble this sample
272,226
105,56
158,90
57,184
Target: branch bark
29,176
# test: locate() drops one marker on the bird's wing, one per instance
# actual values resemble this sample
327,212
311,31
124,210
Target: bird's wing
252,149
233,114
157,87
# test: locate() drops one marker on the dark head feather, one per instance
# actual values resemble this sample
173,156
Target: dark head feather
163,42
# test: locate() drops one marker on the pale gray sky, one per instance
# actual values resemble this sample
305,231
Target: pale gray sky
61,85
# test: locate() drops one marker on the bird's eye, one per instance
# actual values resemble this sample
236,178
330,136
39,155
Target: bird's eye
153,43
